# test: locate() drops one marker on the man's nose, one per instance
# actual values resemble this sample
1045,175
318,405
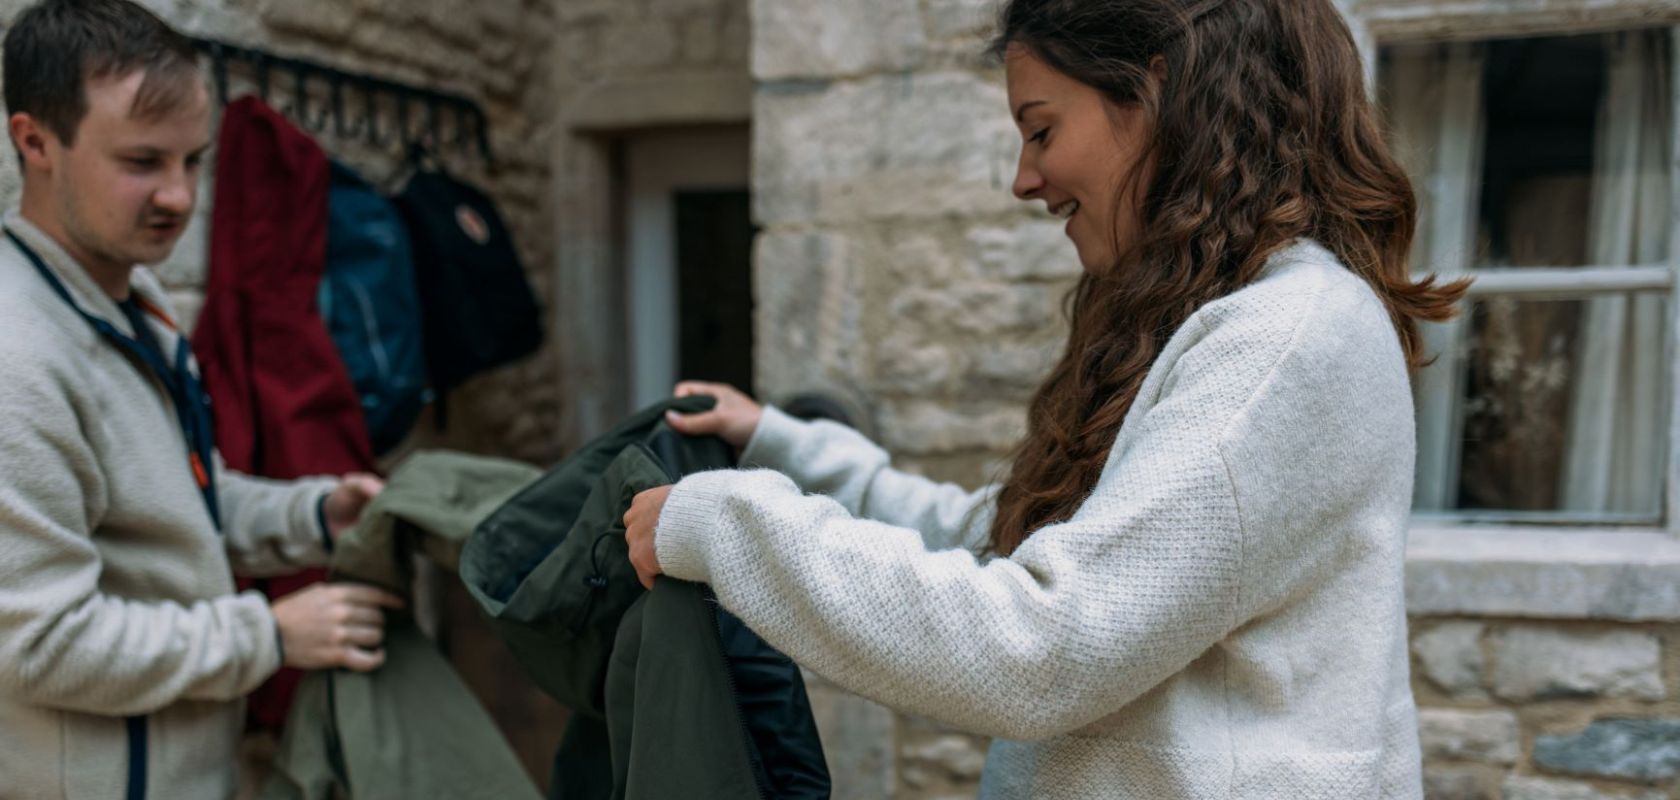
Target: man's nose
177,193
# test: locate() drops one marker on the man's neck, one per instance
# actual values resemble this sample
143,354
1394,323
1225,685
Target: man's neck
112,278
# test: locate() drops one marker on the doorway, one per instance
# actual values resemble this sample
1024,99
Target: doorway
688,283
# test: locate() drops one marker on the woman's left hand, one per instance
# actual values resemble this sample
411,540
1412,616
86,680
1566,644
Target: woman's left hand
640,523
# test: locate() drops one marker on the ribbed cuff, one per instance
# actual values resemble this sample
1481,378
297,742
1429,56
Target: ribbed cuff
687,524
772,440
269,659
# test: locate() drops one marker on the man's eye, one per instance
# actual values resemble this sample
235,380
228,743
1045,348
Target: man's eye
141,163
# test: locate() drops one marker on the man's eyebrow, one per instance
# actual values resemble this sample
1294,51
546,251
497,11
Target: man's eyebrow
1022,110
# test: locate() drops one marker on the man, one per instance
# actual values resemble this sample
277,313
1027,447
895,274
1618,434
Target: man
124,650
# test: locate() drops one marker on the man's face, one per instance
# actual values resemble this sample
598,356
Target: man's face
123,192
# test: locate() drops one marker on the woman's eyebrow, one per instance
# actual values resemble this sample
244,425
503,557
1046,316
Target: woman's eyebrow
1022,109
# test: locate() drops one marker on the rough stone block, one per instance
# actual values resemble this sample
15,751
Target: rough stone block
1634,749
1539,573
957,756
700,39
809,311
982,309
1540,662
911,147
1030,250
1489,736
1456,783
1021,365
906,366
1525,787
502,16
934,428
825,39
857,738
948,19
1451,656
324,19
640,44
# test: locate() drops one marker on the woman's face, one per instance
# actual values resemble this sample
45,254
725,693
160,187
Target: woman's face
1079,150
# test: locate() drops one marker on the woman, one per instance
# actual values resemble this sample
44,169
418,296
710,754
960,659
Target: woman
1190,585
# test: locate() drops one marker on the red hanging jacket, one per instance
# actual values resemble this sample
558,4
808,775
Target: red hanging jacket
285,407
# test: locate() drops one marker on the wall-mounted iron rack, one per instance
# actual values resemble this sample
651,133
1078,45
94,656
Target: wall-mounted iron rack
405,101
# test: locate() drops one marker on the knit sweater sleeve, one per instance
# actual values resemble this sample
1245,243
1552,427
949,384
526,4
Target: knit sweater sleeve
272,527
1159,564
831,459
64,642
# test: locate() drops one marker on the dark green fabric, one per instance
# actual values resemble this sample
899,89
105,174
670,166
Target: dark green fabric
645,671
411,729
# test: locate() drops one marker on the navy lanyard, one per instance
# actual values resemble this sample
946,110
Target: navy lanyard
192,404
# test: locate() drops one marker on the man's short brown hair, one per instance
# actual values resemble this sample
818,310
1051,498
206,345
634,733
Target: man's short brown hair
56,46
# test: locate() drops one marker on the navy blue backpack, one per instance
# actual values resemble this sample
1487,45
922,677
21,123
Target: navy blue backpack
371,308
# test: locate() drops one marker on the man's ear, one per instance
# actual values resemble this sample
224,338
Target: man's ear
29,136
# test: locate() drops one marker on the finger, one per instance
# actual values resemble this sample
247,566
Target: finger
367,637
700,423
645,578
689,388
363,615
369,596
360,660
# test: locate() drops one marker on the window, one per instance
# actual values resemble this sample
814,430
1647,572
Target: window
1544,168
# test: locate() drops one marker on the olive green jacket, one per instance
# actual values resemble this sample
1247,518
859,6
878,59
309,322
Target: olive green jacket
671,695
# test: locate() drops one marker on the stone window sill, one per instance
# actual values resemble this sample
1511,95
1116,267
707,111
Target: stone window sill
1551,573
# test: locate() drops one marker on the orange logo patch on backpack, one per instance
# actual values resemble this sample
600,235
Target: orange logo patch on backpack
472,224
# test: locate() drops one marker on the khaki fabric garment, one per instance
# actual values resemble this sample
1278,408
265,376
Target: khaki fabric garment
410,729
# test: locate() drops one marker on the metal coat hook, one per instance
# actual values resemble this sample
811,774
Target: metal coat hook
355,120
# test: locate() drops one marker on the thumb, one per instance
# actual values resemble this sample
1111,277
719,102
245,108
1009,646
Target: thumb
368,485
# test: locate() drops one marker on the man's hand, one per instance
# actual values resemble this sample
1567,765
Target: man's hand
327,625
640,523
344,504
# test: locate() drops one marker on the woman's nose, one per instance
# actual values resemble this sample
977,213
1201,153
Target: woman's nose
1028,182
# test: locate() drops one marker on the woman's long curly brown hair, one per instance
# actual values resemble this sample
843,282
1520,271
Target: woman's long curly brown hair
1261,133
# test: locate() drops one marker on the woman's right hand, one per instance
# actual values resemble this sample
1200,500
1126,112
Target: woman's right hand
329,625
733,419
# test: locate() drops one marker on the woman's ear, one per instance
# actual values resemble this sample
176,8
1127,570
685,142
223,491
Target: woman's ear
1158,68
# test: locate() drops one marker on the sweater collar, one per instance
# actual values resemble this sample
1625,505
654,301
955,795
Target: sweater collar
81,286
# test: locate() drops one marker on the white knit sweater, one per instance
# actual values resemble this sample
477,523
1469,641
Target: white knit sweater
1222,618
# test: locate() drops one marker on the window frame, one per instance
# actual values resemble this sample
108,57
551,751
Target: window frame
1398,22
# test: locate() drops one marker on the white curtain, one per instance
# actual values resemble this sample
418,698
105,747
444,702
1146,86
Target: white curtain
1435,106
1615,451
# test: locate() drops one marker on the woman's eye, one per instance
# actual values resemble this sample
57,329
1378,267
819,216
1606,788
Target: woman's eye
1039,137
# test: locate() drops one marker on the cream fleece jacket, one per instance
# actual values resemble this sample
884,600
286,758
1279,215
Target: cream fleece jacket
1222,618
116,593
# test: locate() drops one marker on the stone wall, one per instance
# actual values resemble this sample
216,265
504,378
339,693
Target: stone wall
1534,710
